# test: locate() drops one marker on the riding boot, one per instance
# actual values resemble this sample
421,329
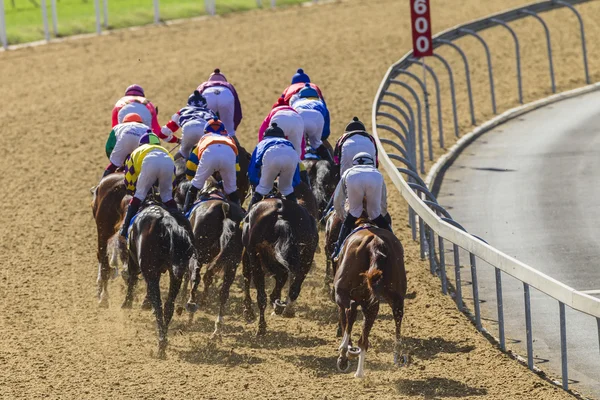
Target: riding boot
177,156
171,205
344,232
256,197
292,197
382,223
190,198
324,154
134,206
234,198
326,210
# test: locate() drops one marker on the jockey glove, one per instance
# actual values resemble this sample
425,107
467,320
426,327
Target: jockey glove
134,206
344,232
382,223
190,198
110,169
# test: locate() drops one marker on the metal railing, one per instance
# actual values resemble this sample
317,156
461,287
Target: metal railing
399,120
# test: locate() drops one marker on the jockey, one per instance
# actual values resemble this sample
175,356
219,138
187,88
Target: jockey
316,119
274,155
149,163
292,125
223,100
123,139
135,101
215,152
361,183
192,120
355,140
298,82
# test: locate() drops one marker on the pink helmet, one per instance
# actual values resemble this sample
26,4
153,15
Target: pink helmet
217,76
135,90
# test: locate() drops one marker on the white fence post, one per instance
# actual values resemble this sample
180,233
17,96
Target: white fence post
105,3
54,19
259,3
273,3
3,26
156,12
45,21
97,10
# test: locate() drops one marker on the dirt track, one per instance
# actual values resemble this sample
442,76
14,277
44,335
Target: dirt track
56,102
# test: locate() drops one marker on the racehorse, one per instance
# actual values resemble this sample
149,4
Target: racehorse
371,269
108,207
280,238
324,179
159,242
306,198
218,241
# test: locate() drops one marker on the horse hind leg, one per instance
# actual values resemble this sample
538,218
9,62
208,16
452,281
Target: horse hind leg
153,285
281,278
131,283
293,293
228,278
181,296
174,287
400,359
370,313
261,295
194,273
247,272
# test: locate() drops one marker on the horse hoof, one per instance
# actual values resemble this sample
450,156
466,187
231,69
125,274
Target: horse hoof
278,306
262,330
146,305
191,307
401,360
353,352
103,303
249,315
179,310
359,376
343,365
127,305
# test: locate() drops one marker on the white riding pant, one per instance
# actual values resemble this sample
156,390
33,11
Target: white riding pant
313,126
217,157
128,138
221,101
136,108
351,147
191,133
157,166
364,185
279,160
292,125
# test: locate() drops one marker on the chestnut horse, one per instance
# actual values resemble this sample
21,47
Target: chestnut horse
280,238
218,241
371,269
108,206
159,242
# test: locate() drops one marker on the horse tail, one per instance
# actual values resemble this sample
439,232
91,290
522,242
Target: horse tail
377,270
283,244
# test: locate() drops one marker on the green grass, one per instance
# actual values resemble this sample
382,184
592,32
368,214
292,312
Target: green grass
24,21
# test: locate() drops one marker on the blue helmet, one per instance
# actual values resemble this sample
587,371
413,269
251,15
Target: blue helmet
300,77
149,138
196,100
307,92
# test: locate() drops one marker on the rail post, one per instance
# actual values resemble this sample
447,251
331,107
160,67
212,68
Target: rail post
452,92
97,11
45,20
518,53
156,12
582,31
548,45
438,97
475,290
54,18
563,346
105,9
442,265
528,330
500,308
3,37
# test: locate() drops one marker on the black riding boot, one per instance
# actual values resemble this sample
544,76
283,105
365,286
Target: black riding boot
324,154
382,223
190,197
234,198
256,197
292,197
134,206
344,232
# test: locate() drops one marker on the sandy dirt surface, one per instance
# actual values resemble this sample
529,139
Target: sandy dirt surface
56,101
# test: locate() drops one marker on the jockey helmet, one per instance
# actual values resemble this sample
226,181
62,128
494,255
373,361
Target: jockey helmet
217,76
132,117
274,131
215,126
196,99
308,92
300,77
363,158
280,102
134,90
355,125
149,138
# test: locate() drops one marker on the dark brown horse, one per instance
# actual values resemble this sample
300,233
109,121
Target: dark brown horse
323,178
371,269
108,206
280,238
218,241
159,242
306,199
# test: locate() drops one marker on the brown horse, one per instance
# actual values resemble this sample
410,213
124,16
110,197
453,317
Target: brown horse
306,198
218,241
108,206
371,269
280,238
324,178
159,242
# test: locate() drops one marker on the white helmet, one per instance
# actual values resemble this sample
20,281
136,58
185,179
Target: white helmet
363,158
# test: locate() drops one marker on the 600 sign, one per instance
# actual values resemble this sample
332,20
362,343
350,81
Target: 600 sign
421,28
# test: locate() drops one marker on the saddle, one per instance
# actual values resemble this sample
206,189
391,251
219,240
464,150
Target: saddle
362,227
311,154
213,194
